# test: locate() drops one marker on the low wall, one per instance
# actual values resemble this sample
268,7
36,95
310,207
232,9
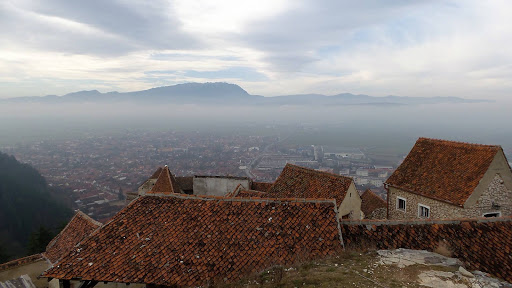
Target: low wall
482,244
32,266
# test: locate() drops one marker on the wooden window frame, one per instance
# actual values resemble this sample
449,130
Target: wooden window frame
398,198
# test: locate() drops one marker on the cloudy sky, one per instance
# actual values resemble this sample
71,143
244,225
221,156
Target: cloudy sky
268,47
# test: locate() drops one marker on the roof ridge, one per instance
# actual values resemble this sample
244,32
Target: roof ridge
234,199
89,218
77,214
457,143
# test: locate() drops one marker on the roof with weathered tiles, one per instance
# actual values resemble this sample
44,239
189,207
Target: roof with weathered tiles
251,193
78,228
299,182
371,201
261,186
185,240
448,171
21,261
165,183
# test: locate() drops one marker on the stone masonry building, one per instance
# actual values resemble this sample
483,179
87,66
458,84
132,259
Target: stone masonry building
446,179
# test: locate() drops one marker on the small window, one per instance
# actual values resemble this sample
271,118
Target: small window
401,203
492,214
423,211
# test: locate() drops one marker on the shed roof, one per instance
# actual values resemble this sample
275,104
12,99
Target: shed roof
299,182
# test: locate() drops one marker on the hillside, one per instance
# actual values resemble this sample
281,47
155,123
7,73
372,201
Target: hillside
26,205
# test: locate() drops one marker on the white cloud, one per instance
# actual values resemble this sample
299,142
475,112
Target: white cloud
424,48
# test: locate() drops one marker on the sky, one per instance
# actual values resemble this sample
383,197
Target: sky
268,47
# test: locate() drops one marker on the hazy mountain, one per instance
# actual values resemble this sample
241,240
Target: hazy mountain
230,94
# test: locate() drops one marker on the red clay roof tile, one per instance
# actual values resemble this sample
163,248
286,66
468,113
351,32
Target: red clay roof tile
78,228
299,182
185,240
371,201
251,193
444,170
261,186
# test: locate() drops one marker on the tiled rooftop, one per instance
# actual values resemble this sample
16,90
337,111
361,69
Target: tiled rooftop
261,186
251,193
299,182
371,201
78,228
444,170
165,183
185,240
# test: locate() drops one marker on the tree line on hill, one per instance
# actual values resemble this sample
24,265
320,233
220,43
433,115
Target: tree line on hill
30,215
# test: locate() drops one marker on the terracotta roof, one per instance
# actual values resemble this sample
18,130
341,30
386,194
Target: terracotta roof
251,193
21,262
185,240
444,170
299,182
261,186
156,173
371,201
241,192
78,228
186,183
165,184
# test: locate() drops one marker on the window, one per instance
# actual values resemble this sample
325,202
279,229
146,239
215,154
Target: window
492,214
423,211
401,203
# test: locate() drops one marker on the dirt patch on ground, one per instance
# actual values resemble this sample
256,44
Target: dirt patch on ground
385,268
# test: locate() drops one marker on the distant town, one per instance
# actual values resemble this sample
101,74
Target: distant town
95,173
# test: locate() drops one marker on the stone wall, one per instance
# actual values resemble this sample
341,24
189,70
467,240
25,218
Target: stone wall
377,214
438,209
483,244
497,194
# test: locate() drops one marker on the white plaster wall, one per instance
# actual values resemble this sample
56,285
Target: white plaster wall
217,186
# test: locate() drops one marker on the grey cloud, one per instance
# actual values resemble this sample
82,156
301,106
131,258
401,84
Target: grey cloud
299,32
126,26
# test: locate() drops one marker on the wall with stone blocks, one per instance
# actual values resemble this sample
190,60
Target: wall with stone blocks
483,244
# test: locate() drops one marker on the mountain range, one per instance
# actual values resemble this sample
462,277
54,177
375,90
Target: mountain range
220,93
